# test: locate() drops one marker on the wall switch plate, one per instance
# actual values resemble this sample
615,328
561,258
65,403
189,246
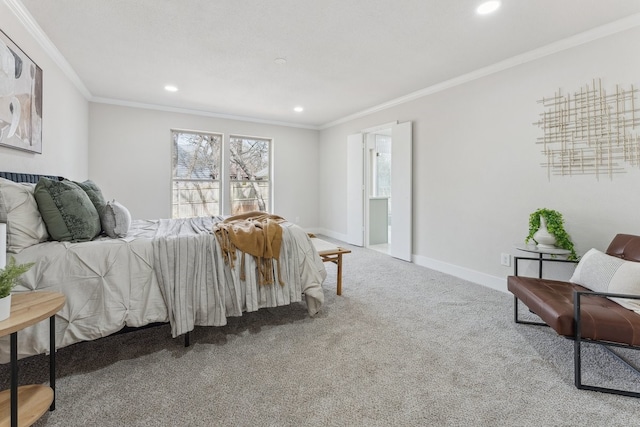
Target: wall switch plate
505,259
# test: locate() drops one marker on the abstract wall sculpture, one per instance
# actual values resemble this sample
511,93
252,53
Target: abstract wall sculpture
590,132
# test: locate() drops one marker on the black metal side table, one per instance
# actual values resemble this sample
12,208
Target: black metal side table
541,256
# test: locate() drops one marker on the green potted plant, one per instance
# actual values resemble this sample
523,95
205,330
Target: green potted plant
554,223
8,279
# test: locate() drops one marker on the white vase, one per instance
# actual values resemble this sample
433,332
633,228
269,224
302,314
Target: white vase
545,239
5,307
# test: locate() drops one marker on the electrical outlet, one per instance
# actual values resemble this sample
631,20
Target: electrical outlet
505,259
297,220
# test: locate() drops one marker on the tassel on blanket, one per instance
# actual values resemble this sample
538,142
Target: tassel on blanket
257,233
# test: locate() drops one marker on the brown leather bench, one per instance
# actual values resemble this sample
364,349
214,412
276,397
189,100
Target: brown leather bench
579,314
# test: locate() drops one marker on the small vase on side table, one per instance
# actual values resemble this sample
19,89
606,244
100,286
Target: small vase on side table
545,239
5,307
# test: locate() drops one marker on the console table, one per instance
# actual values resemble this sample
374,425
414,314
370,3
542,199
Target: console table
28,403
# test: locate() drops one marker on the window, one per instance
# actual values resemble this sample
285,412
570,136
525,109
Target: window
250,174
205,167
382,167
196,174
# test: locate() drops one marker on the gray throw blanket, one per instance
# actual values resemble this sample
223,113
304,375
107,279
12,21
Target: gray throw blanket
184,261
199,288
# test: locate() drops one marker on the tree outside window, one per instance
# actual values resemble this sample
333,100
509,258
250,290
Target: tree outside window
196,174
250,174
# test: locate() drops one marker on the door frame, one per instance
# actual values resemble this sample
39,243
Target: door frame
401,208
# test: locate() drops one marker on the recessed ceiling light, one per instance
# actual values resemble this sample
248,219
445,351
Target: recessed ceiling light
488,7
298,109
170,88
280,61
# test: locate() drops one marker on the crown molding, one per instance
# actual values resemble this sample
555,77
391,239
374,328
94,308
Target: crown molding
623,24
374,129
203,113
50,49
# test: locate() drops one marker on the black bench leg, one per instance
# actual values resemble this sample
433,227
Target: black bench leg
577,359
577,367
187,339
523,322
577,363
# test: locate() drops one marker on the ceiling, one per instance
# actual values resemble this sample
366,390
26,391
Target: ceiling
342,57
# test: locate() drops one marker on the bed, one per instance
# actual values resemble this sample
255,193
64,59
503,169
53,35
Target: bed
158,271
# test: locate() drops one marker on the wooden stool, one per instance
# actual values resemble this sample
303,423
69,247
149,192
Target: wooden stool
331,253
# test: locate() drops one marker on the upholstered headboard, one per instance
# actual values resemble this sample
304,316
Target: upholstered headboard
26,177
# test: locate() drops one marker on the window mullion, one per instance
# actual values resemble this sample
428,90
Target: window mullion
225,179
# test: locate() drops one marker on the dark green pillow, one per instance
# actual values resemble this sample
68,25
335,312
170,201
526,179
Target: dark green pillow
94,193
67,211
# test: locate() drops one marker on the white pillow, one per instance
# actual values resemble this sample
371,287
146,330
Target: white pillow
18,208
605,273
115,219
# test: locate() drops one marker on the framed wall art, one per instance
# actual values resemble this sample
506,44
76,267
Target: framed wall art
20,98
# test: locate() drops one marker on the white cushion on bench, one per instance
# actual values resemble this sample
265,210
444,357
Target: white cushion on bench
323,245
605,273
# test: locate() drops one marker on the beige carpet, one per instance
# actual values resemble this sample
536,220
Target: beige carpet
403,346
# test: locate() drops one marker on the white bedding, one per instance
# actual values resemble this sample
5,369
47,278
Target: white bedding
112,283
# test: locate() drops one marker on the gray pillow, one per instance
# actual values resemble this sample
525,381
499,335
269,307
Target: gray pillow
67,211
18,208
115,219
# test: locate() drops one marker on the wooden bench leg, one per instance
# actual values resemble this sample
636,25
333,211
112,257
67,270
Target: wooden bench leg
334,256
339,275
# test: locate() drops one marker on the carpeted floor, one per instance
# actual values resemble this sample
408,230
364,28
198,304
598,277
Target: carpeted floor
403,346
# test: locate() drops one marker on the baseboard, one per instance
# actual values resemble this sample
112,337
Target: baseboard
332,234
483,279
493,282
312,230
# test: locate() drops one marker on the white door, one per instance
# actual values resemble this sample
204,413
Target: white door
355,190
401,191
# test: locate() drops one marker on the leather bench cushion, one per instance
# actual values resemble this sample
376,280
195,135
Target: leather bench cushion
552,301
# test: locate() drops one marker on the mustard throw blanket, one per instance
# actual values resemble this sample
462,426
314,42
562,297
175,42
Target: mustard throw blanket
255,233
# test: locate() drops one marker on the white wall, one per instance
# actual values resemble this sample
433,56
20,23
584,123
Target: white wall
477,173
64,115
130,159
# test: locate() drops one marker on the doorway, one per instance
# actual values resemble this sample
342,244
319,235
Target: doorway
367,198
378,190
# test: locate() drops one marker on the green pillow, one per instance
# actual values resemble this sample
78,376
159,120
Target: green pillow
67,211
94,193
